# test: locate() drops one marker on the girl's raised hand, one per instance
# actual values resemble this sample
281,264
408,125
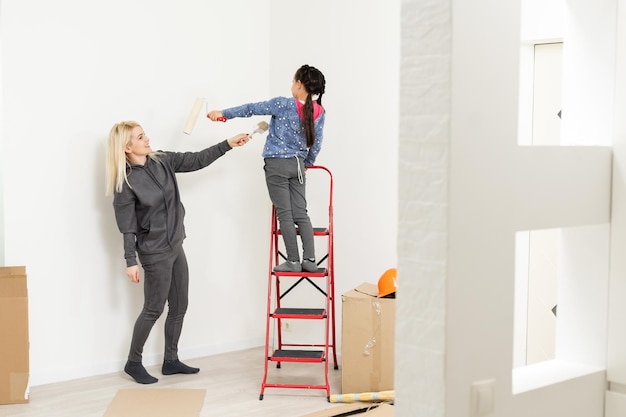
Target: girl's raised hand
216,116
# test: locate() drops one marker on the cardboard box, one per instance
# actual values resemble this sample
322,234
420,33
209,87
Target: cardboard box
356,409
367,341
14,342
156,402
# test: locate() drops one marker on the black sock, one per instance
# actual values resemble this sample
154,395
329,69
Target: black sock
175,366
139,373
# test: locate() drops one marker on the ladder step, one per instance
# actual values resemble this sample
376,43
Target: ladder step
297,356
320,273
317,231
299,313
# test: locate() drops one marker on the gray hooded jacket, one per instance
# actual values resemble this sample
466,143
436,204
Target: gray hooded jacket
150,213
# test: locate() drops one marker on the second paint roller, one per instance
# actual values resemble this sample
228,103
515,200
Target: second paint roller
193,116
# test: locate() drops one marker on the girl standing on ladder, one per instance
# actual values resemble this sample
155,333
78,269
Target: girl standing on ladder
293,142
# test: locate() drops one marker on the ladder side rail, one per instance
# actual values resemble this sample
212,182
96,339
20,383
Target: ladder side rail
269,304
331,272
330,280
278,323
326,335
331,277
331,261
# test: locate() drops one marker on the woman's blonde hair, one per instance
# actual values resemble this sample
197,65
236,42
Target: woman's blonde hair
119,139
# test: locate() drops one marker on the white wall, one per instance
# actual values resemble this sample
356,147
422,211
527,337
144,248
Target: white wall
616,367
420,379
485,188
71,69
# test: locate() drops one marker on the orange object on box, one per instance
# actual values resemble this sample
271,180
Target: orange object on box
388,282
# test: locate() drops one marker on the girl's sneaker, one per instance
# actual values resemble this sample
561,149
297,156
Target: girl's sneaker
289,266
309,266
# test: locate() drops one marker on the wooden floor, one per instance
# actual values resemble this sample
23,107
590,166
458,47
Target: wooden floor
232,382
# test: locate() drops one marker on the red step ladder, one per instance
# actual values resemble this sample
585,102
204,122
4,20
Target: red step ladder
277,349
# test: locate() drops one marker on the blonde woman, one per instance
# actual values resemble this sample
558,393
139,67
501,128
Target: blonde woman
149,214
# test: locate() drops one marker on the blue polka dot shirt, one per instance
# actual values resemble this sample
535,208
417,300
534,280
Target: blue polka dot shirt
285,137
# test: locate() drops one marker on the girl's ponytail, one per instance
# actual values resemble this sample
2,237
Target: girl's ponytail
315,84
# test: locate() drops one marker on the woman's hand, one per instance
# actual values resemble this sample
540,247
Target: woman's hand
133,273
239,140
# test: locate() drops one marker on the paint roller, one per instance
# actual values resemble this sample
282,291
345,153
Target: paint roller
193,116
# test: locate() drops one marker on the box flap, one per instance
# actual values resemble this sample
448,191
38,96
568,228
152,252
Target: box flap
368,289
353,409
365,290
384,410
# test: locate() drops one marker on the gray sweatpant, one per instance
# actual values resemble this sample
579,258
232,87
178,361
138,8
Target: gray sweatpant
288,195
165,280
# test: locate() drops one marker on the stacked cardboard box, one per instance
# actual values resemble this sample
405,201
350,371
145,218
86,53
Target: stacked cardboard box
367,341
14,342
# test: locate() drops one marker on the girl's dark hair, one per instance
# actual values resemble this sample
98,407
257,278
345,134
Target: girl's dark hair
315,84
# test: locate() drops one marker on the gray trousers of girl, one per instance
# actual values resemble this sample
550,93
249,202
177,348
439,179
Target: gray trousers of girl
166,279
286,183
